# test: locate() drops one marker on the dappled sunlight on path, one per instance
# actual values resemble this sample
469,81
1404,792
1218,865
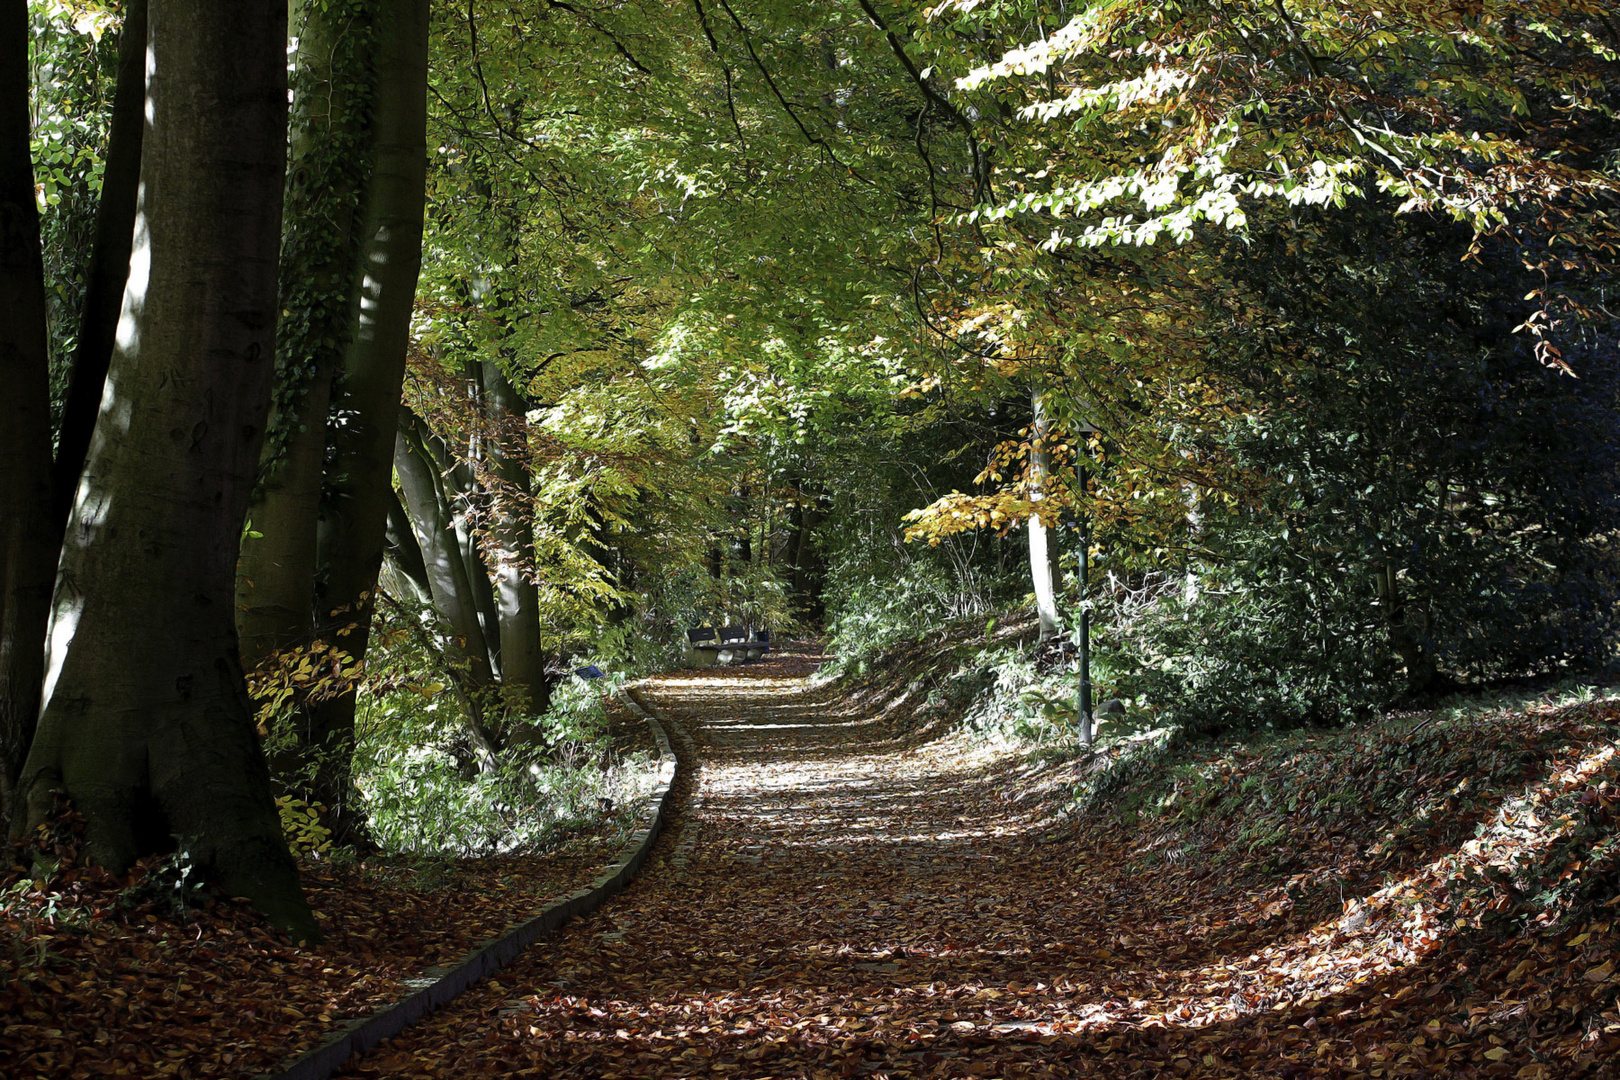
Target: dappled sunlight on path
831,902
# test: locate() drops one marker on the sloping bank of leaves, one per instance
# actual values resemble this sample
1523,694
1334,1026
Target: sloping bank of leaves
151,975
1454,871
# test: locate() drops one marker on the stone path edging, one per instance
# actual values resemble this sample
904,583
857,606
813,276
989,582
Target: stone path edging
438,985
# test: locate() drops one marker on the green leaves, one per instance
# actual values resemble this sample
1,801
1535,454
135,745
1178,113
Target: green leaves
1447,108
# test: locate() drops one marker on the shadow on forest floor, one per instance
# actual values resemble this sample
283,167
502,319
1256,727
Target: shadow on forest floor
838,898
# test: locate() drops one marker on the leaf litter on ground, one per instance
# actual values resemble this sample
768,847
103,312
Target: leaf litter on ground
838,898
849,889
148,975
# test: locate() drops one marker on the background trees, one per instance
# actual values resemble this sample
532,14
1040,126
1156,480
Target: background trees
1132,143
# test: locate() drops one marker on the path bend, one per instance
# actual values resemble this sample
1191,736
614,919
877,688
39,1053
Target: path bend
828,902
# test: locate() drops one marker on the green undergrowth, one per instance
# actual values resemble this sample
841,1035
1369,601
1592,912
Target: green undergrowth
572,774
991,678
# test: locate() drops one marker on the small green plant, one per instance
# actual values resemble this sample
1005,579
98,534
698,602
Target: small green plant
173,884
32,899
301,825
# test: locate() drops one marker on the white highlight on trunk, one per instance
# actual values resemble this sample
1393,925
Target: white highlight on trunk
151,69
1040,559
128,337
112,420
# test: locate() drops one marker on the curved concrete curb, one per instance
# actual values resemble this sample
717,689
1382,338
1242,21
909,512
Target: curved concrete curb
437,985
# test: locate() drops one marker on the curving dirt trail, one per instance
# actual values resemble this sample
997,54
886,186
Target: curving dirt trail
827,902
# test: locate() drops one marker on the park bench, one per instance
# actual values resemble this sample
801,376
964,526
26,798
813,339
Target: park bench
706,646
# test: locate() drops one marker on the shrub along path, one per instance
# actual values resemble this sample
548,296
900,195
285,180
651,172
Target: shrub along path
831,902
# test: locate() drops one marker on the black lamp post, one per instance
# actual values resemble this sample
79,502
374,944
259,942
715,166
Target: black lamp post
1083,701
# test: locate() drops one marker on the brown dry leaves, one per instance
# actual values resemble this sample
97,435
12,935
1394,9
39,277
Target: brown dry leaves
91,987
832,903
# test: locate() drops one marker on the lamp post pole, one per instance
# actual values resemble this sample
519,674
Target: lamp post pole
1083,704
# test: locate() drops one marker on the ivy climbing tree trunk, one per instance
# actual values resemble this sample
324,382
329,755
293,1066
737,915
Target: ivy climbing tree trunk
360,447
148,728
328,159
27,548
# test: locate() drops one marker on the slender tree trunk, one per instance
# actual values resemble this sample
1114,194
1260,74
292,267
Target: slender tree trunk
327,164
355,515
809,571
744,505
409,577
795,543
523,666
109,261
463,496
148,728
28,544
1040,559
447,574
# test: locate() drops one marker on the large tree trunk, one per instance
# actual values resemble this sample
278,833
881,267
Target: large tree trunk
329,156
523,665
1040,558
28,545
109,262
148,728
362,448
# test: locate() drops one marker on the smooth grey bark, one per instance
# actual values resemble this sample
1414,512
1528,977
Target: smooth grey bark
1040,558
109,262
461,499
404,555
148,727
464,499
432,523
355,514
328,159
28,545
420,462
511,548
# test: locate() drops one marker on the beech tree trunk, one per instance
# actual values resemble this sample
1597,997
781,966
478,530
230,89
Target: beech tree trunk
404,569
148,728
28,547
109,262
809,571
1040,558
448,574
329,156
523,665
355,515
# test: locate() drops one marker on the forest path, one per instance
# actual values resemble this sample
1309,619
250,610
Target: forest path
827,902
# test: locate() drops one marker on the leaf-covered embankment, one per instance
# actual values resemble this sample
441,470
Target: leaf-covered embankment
1436,888
152,975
